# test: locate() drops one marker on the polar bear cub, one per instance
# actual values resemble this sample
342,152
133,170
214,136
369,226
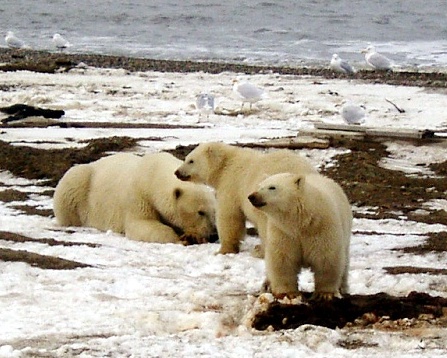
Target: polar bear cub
234,173
309,225
137,196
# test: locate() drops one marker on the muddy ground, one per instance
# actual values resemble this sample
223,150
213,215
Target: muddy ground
392,193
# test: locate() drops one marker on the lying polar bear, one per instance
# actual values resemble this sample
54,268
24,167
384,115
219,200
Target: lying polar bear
137,196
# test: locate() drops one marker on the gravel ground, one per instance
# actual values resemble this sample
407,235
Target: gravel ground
40,61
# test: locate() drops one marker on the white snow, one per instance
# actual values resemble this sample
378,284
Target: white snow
152,300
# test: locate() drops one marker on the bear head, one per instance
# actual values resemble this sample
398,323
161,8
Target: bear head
195,212
201,163
278,194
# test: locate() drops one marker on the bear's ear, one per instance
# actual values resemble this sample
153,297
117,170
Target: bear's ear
215,153
209,152
299,181
178,193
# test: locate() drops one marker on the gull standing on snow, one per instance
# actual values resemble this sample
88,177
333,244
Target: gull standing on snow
248,92
13,41
60,42
205,103
353,113
339,65
376,60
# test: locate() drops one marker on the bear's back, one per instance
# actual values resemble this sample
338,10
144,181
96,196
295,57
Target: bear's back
264,165
110,184
332,199
280,161
159,169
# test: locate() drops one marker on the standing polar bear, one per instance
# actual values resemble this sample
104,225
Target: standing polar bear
309,225
137,196
235,173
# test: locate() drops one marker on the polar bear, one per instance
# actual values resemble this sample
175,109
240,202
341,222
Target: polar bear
309,225
235,172
137,196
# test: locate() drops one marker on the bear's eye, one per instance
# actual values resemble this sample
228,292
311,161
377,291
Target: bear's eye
272,187
201,213
191,161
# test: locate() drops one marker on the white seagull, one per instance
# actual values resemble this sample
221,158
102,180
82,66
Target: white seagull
248,92
60,42
339,65
205,103
376,60
353,113
13,41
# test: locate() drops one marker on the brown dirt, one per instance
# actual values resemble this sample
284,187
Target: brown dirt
359,310
37,260
392,192
41,261
34,163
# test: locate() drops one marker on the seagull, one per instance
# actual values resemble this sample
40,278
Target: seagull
60,42
339,65
13,41
376,60
353,113
248,92
205,103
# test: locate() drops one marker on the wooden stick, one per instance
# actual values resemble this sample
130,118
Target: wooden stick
400,110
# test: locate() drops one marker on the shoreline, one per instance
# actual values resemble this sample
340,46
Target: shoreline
51,62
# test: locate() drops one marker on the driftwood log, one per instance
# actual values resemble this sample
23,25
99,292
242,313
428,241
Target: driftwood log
21,111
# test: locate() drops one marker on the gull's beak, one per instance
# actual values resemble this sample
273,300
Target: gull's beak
364,50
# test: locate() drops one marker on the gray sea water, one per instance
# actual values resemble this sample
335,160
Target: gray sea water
410,32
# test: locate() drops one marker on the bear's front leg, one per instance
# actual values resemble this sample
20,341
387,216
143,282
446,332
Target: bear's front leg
283,263
150,231
230,222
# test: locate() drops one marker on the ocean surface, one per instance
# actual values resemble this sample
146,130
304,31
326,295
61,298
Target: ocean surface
413,33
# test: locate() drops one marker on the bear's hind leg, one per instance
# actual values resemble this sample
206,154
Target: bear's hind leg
70,200
230,229
259,250
328,280
344,287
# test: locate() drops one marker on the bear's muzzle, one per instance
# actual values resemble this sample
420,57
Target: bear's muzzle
182,176
256,200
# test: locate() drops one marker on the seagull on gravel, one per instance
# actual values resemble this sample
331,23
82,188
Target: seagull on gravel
376,60
205,103
13,41
353,113
248,92
339,65
60,42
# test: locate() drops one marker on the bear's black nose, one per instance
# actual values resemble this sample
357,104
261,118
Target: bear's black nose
213,238
181,176
255,200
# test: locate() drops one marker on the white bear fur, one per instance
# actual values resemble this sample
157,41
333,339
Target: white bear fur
235,172
309,225
137,196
